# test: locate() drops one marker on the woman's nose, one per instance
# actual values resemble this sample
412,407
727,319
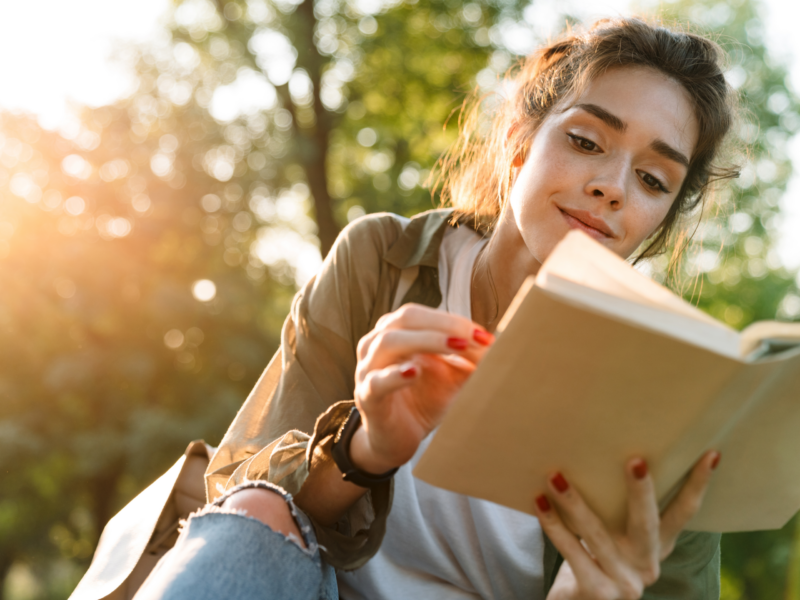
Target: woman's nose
609,186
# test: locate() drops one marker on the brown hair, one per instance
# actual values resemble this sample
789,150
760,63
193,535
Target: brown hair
474,175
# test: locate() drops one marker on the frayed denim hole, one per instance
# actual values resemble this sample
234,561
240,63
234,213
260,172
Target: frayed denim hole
253,484
301,520
312,549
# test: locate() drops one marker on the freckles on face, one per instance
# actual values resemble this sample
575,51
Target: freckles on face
609,162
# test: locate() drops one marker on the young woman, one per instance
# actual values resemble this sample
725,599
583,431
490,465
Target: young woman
614,131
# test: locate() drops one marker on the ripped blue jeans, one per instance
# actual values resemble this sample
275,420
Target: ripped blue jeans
226,555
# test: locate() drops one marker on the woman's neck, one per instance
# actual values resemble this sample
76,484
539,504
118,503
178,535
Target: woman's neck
499,272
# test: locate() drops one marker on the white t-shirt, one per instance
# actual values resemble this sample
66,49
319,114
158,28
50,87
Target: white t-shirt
440,544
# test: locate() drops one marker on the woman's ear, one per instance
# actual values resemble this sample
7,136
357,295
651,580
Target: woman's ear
519,157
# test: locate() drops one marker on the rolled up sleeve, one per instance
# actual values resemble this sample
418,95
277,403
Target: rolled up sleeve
306,391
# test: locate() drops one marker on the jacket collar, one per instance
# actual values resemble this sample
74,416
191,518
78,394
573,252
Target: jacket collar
419,243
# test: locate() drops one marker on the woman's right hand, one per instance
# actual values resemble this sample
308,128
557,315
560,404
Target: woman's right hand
409,369
601,564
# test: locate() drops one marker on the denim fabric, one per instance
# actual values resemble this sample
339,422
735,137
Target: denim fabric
223,555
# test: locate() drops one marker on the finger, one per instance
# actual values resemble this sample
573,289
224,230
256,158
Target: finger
643,518
587,572
394,345
582,521
441,372
454,360
418,317
365,342
688,501
379,383
365,345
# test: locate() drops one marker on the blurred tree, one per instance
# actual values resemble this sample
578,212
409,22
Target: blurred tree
110,365
365,99
148,256
734,268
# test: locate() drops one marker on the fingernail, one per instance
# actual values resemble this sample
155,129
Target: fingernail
457,343
640,469
482,337
543,503
559,482
409,372
715,462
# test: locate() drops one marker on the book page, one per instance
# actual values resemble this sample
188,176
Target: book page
757,484
731,404
711,336
580,259
753,335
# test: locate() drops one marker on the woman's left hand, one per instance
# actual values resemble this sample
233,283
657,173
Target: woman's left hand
600,565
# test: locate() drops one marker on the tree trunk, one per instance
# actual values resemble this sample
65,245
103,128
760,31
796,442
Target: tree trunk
318,136
313,140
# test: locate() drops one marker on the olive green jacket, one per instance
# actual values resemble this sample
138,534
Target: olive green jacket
307,389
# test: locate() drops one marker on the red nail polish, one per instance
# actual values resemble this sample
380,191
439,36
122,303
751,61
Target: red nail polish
409,372
482,337
715,462
457,343
559,482
640,469
543,503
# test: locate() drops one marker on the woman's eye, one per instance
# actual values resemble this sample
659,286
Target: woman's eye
583,143
654,183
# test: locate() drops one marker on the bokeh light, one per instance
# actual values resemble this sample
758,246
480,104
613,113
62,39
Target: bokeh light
141,203
76,166
204,290
173,339
211,203
75,205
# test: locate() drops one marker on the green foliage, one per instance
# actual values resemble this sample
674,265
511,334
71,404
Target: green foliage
733,271
110,365
92,393
394,126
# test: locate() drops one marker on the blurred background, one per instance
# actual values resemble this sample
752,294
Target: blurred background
172,171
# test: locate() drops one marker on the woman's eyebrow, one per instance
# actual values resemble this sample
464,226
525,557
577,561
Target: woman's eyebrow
601,113
613,121
667,151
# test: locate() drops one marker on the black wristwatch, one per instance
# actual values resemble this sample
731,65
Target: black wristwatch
341,455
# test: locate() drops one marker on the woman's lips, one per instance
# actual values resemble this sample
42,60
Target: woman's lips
574,222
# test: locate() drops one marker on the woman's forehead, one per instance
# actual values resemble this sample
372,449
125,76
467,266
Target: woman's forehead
644,102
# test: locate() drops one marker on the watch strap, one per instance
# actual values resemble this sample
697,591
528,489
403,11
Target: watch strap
341,455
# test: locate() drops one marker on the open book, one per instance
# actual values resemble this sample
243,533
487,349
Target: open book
596,364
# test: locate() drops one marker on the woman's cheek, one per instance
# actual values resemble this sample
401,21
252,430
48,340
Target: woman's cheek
642,225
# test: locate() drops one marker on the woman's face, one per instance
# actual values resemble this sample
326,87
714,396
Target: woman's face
609,163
